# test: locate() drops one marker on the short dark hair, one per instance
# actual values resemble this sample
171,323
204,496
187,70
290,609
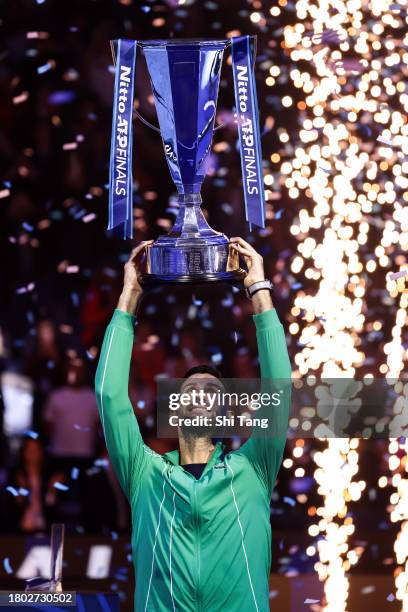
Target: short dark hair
203,369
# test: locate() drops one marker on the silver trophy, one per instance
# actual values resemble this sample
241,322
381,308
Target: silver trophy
185,77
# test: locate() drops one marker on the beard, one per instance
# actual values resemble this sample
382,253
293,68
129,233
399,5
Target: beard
202,430
199,431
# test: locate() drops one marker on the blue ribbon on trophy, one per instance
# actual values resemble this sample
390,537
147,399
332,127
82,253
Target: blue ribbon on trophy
243,63
185,76
120,171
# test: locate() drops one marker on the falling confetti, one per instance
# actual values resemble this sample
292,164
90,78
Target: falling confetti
12,490
31,434
81,428
60,486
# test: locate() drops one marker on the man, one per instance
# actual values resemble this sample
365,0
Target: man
201,532
71,419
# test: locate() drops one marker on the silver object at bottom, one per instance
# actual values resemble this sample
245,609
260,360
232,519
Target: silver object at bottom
192,252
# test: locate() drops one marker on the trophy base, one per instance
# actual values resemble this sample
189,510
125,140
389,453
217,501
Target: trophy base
191,261
153,280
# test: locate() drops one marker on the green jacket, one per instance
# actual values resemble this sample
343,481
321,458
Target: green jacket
198,545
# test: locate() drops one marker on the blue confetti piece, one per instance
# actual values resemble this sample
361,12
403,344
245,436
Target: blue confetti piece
74,473
217,358
281,545
7,184
141,404
390,597
101,462
111,272
75,299
23,491
60,486
114,535
12,490
79,428
27,227
30,316
7,565
327,170
290,501
228,301
279,213
227,208
197,302
129,558
31,434
146,9
45,68
61,97
297,285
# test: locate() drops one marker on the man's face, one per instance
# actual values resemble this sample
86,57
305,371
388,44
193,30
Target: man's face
203,391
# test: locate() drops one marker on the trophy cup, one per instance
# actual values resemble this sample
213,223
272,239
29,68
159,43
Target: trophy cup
185,76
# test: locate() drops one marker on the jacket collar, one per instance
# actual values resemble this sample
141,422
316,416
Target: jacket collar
174,456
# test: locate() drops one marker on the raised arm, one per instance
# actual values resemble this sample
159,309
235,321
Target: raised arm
265,450
122,434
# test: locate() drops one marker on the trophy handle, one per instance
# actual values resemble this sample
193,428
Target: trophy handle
156,129
146,122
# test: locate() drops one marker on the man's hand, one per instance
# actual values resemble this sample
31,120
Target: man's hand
132,290
254,261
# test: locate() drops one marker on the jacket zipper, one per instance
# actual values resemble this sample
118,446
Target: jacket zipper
198,591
